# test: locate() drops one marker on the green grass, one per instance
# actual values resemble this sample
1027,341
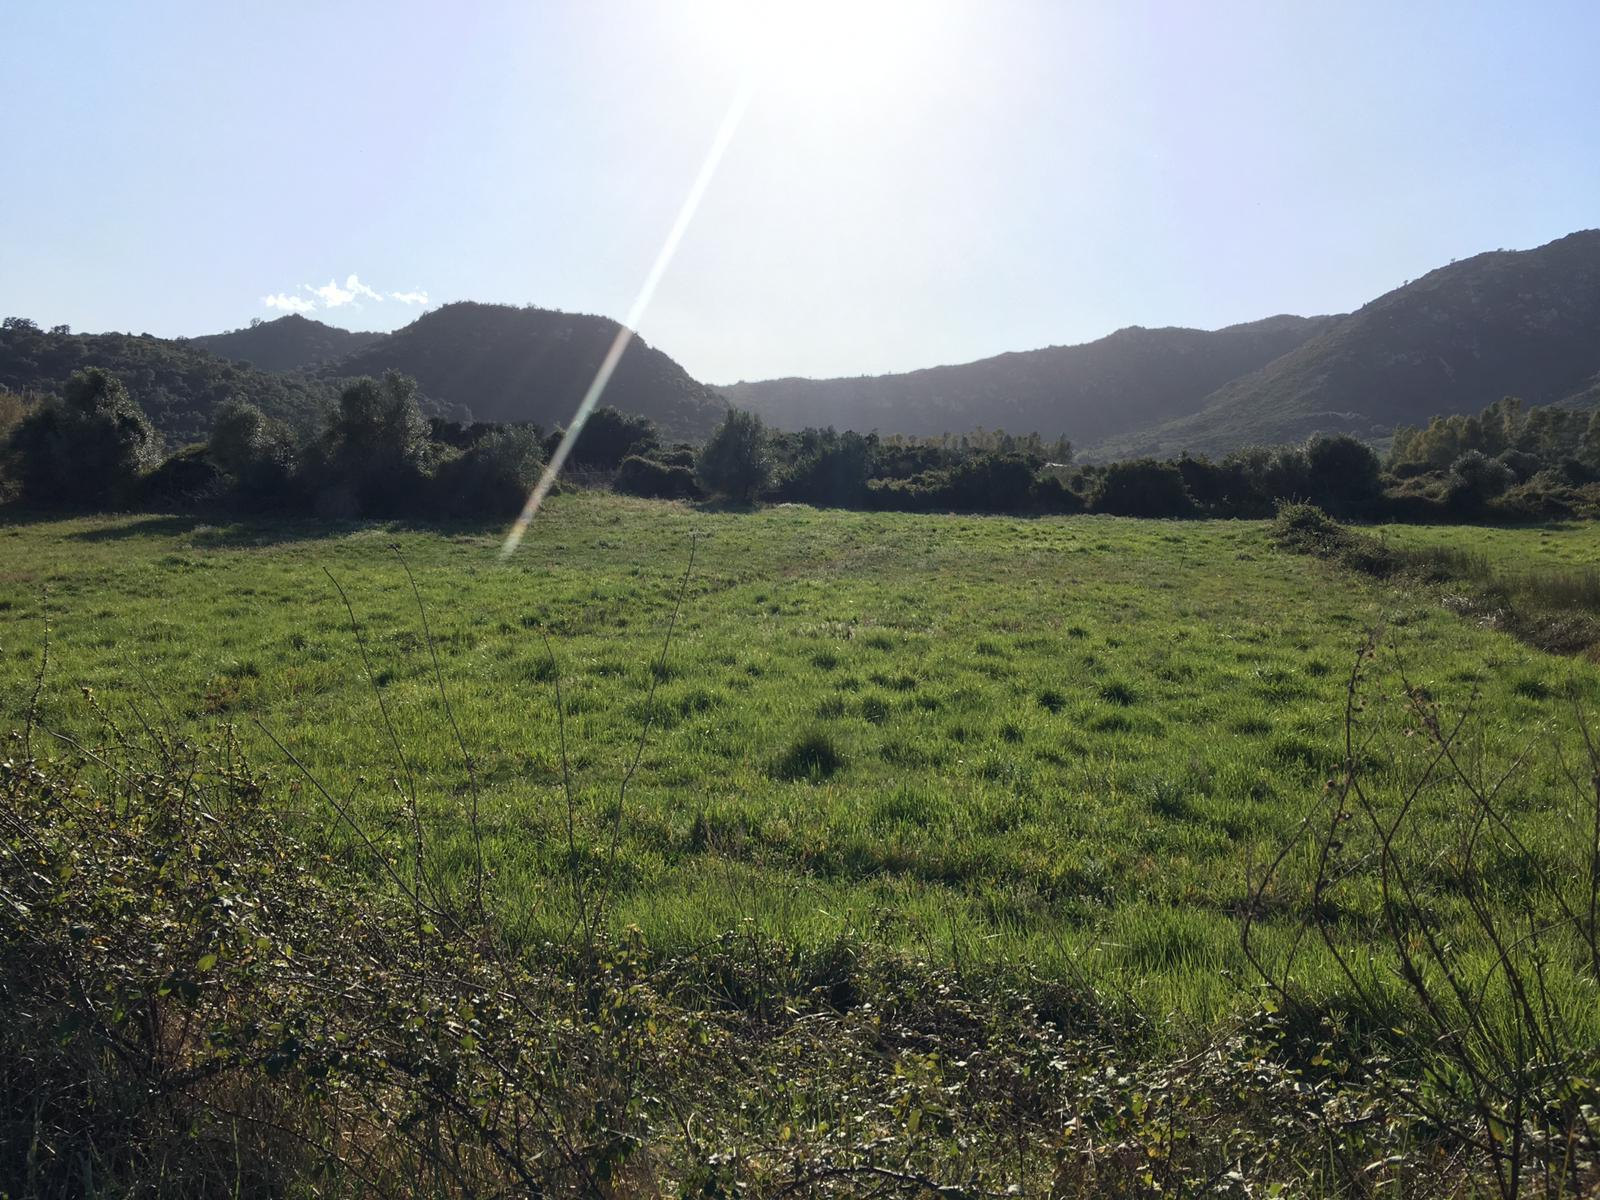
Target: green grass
1053,746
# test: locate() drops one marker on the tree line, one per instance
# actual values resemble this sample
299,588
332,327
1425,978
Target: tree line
375,453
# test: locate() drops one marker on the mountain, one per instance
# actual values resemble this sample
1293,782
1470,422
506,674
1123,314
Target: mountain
1132,379
291,343
1522,323
503,363
176,384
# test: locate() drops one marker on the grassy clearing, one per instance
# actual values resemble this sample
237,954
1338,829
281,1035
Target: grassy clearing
1051,746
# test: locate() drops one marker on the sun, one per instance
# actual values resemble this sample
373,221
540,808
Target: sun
830,50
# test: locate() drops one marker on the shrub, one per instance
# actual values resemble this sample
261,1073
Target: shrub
88,448
186,480
1342,473
607,437
1142,488
1475,479
375,454
735,462
828,469
493,476
257,451
655,480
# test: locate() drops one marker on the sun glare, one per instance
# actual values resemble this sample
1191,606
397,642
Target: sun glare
823,49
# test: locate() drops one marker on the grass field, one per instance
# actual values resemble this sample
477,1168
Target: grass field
1052,746
1574,546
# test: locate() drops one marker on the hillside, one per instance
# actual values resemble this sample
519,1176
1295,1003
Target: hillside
1523,323
530,364
1128,381
175,383
290,343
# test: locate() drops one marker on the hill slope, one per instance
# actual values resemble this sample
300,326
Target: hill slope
290,343
177,385
1523,323
1130,380
530,364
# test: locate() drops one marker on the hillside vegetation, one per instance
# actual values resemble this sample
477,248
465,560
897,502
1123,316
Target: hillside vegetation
290,343
502,363
1125,382
1506,323
179,386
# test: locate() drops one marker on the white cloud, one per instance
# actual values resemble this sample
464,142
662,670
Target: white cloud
289,304
334,294
331,294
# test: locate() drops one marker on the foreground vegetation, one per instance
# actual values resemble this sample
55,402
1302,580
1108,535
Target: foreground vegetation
933,870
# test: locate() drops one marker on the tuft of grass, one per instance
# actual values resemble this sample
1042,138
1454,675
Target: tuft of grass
811,759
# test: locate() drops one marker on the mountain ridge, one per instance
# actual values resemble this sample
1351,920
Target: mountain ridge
1085,391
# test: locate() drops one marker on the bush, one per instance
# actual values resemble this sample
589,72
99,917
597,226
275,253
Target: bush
493,476
1142,488
1342,473
735,462
655,480
607,437
374,457
188,479
88,448
828,469
256,450
1475,479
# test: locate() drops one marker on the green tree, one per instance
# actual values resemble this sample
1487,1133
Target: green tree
494,475
1142,488
90,447
736,461
375,454
258,451
1341,471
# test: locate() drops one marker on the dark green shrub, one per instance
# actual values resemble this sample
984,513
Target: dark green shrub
493,476
256,451
828,468
1342,473
607,437
188,479
375,456
1142,488
735,462
88,448
1475,479
655,480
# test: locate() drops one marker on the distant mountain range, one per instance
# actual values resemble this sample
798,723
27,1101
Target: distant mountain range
1133,379
1524,323
1507,323
486,362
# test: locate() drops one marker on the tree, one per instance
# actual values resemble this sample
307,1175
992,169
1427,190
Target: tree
736,461
494,475
608,437
1142,488
1341,471
19,325
374,455
1475,479
255,449
90,447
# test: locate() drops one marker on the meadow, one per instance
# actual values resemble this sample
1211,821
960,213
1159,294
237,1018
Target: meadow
1056,747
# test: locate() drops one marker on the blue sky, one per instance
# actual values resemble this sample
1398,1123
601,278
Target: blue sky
910,184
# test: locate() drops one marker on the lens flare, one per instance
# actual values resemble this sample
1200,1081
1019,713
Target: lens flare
625,334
